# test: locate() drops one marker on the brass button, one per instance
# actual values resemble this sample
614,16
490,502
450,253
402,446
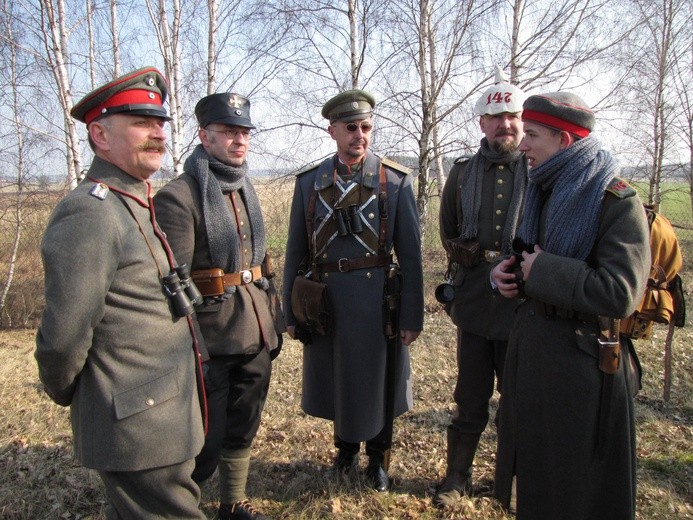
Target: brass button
499,196
150,401
501,167
498,228
498,212
500,181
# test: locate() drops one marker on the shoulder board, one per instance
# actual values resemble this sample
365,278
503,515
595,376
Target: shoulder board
463,159
395,166
99,190
620,188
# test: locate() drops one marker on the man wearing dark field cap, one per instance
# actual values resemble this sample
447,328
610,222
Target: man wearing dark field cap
567,435
347,215
213,220
116,340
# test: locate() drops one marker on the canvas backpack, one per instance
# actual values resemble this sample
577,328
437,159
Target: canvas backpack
663,301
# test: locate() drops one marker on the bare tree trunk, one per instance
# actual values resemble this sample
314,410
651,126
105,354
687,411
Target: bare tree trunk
54,35
426,120
518,13
213,9
114,35
90,35
353,43
168,38
437,152
16,120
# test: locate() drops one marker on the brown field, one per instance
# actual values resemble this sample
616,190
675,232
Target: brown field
290,471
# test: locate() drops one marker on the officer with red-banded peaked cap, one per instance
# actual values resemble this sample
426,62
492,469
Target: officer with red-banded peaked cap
141,92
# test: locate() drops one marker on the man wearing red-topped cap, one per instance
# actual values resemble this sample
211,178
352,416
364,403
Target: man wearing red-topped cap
582,257
116,341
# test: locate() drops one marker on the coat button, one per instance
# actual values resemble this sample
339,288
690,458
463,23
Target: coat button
150,401
531,312
369,275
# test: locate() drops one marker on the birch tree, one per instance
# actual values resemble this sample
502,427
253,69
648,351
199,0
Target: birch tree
55,39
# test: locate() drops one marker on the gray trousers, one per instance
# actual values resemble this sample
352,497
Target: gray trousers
152,494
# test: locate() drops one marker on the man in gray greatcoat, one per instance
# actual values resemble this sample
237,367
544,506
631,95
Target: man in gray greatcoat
479,211
567,433
213,221
344,371
111,344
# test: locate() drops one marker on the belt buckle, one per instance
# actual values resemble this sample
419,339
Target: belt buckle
491,256
246,276
341,265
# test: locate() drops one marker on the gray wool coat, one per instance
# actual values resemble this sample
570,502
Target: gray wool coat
344,373
242,324
108,344
552,385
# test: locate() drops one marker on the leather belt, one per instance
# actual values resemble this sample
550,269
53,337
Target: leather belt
551,311
344,265
243,277
491,256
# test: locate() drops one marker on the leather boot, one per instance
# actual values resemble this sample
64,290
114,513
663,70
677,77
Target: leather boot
376,474
458,477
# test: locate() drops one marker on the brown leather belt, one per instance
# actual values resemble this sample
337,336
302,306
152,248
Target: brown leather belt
344,265
211,282
243,277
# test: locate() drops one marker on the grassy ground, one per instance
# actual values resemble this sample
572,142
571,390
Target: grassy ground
290,473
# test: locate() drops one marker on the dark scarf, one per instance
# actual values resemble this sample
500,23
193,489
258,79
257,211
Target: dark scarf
470,196
222,233
576,178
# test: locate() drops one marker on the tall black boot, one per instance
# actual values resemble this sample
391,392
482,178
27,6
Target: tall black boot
458,477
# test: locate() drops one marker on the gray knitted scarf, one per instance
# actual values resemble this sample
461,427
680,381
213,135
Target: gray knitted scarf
221,227
470,196
576,178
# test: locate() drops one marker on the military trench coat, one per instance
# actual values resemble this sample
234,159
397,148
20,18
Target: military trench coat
552,385
108,344
344,372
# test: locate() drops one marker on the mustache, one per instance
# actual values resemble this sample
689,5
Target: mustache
152,145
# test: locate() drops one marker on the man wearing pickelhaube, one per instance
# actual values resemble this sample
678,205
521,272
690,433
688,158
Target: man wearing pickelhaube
213,221
479,210
359,208
116,341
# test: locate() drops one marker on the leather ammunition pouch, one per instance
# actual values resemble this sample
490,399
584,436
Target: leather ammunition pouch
465,252
311,305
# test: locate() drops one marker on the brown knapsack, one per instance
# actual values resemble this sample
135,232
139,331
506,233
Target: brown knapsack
663,301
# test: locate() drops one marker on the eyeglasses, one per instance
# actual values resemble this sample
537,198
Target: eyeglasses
365,127
231,133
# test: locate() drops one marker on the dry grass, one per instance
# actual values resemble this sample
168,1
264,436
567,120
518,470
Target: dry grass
290,473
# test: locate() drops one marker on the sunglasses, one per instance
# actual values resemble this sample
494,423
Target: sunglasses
365,127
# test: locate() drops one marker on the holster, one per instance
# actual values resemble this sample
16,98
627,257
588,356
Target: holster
311,305
609,345
465,252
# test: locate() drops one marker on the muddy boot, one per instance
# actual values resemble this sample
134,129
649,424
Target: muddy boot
458,477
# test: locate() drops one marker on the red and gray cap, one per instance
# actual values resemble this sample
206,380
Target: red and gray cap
560,110
141,92
501,97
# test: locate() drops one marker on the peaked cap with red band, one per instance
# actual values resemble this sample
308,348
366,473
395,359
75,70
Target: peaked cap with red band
141,92
560,110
